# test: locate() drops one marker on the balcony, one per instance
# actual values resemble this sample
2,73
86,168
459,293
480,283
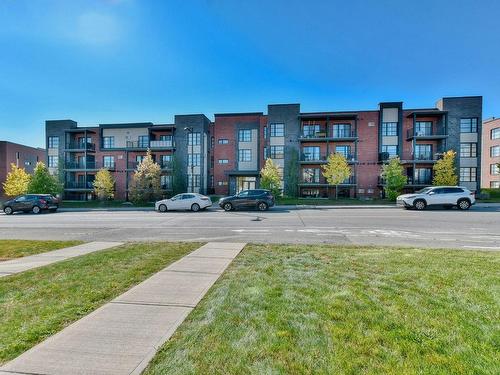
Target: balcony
423,157
80,146
75,185
322,159
419,181
336,135
150,144
161,144
166,165
89,165
427,134
322,182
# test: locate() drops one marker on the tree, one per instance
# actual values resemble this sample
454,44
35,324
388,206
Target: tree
146,184
104,184
445,171
42,182
336,170
17,181
394,175
270,178
292,176
178,177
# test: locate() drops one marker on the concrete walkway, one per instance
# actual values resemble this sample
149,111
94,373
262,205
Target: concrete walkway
10,267
122,336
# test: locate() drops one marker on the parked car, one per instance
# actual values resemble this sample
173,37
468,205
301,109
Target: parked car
257,198
185,201
445,196
35,203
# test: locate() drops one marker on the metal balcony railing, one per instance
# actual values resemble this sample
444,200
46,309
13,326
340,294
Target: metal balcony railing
343,134
80,146
426,132
78,185
89,165
150,144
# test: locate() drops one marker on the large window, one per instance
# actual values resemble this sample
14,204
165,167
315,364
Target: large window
53,161
277,130
495,184
494,170
423,152
84,141
53,142
143,141
423,176
310,175
165,160
341,130
194,160
392,151
194,139
311,153
389,128
468,125
494,151
245,135
344,150
310,130
194,180
423,128
495,133
468,174
468,150
108,142
244,155
277,152
166,182
108,161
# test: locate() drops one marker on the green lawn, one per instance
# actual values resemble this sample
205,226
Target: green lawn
10,249
38,303
344,310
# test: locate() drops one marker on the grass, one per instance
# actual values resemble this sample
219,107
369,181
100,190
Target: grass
325,201
10,249
344,310
38,303
493,195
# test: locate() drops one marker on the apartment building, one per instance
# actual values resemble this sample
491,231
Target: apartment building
490,176
225,156
21,156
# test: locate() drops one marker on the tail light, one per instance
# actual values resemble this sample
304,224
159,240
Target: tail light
205,198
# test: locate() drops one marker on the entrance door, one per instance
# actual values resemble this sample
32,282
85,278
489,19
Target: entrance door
246,183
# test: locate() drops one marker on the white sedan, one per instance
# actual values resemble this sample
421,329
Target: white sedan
185,201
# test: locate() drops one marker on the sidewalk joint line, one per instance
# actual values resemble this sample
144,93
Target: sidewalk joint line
152,304
198,272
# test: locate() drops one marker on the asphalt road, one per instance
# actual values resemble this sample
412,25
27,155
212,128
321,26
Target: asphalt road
478,228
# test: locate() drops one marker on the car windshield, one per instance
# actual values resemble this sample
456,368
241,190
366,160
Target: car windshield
424,190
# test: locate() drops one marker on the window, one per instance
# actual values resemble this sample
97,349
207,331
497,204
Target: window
194,139
310,175
53,142
423,152
423,128
311,153
265,132
53,161
389,128
468,174
166,182
84,141
194,180
309,131
143,141
108,161
344,150
341,130
495,184
468,150
223,141
495,133
165,160
494,151
139,158
223,161
277,130
167,140
494,170
245,155
108,142
222,183
277,152
391,150
265,153
194,160
468,125
245,135
423,176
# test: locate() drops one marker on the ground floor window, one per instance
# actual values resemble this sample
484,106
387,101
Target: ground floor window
310,193
310,175
495,184
423,176
166,182
245,183
468,174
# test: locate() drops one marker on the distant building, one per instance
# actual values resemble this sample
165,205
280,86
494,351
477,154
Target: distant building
225,156
22,156
490,176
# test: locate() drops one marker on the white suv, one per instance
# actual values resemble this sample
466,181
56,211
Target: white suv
446,196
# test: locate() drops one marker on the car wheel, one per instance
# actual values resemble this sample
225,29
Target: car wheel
419,204
36,210
262,206
195,207
8,210
162,208
228,206
463,204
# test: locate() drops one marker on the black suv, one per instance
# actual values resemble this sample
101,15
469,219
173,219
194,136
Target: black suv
259,198
31,202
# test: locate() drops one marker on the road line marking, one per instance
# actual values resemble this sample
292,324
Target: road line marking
482,247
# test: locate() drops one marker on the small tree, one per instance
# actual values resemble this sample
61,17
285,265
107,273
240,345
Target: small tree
394,175
104,184
445,171
270,178
292,176
42,182
336,170
146,184
17,181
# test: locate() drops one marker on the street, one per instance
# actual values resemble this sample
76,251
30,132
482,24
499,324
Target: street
478,228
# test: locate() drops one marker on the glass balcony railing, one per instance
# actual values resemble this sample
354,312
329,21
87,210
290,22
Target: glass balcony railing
150,144
78,185
80,146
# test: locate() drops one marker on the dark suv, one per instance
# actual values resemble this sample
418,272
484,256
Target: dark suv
31,202
258,198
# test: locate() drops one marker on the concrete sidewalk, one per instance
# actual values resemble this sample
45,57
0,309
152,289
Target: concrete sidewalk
123,336
10,267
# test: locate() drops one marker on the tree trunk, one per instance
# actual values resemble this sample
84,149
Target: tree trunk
336,192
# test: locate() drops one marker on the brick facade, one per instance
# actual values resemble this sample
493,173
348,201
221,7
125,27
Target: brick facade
490,154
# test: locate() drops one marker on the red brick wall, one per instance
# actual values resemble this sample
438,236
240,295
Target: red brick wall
487,160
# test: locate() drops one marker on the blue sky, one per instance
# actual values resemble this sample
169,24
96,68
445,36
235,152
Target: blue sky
125,60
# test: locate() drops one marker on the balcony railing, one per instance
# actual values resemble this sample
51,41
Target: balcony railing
349,181
419,181
89,165
343,134
425,156
150,144
78,185
324,158
80,146
335,134
427,133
